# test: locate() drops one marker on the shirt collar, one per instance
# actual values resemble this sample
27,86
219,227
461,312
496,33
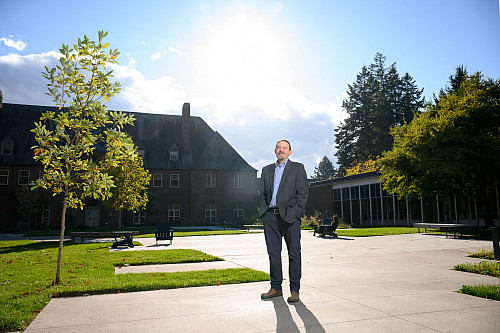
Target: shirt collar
282,165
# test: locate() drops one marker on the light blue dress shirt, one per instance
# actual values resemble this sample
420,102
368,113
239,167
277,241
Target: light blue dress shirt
278,173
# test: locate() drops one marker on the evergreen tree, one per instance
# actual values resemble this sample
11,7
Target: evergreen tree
325,169
455,83
378,100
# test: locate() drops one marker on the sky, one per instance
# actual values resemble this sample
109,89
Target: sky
255,71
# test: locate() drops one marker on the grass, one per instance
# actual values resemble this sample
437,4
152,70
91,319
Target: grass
491,268
490,291
383,231
27,272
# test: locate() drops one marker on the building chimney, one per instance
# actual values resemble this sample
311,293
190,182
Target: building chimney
186,128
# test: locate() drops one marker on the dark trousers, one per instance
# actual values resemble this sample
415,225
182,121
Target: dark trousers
275,229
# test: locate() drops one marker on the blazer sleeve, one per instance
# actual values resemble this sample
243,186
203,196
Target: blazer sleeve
302,191
261,198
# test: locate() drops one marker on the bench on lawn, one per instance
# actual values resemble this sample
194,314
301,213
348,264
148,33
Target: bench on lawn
446,227
252,226
327,227
117,235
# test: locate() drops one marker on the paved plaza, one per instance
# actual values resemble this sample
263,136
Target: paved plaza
402,283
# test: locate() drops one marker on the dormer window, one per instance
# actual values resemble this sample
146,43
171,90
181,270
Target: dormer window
174,153
7,146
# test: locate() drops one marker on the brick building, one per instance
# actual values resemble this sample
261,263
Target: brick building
197,177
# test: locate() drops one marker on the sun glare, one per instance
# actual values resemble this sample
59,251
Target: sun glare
241,58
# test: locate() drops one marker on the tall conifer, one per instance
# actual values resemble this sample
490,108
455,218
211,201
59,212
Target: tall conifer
378,100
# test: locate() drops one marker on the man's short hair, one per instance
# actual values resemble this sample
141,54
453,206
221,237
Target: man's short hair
284,140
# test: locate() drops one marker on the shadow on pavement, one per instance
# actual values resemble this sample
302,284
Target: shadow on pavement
284,319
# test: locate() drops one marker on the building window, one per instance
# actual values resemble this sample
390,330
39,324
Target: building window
211,180
238,211
238,181
211,212
141,153
139,217
24,177
157,180
174,154
174,211
174,180
7,146
4,177
45,216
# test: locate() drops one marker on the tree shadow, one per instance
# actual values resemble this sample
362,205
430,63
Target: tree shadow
334,238
35,246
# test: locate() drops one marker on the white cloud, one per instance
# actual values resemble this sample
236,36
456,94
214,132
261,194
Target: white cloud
156,56
132,62
175,51
253,128
18,45
159,95
21,80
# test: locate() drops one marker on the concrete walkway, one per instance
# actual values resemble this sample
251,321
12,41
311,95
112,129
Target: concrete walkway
399,283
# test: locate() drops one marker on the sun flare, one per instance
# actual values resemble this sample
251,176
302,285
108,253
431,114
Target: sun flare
242,57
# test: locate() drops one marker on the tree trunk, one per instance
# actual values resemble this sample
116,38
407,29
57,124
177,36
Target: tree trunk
120,227
61,242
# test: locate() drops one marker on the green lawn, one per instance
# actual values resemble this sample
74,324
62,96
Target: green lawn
383,231
490,267
27,272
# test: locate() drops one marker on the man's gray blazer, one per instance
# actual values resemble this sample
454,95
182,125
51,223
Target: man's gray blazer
292,192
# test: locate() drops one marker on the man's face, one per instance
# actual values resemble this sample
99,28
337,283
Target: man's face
282,151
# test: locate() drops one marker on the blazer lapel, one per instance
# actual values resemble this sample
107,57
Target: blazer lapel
286,172
271,181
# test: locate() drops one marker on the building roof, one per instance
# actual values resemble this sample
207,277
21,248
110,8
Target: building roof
155,134
346,179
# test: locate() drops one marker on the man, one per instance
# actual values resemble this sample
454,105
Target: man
282,199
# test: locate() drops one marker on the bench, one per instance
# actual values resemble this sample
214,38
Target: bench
446,227
164,232
252,226
327,227
117,235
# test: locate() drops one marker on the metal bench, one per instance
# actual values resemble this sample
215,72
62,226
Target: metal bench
252,226
446,227
117,235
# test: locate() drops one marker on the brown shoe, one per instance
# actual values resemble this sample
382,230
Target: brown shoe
271,293
294,297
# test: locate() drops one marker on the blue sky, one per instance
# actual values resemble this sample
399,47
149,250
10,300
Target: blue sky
255,71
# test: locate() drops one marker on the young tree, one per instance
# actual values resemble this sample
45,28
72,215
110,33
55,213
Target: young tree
131,181
452,149
325,169
67,142
378,100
